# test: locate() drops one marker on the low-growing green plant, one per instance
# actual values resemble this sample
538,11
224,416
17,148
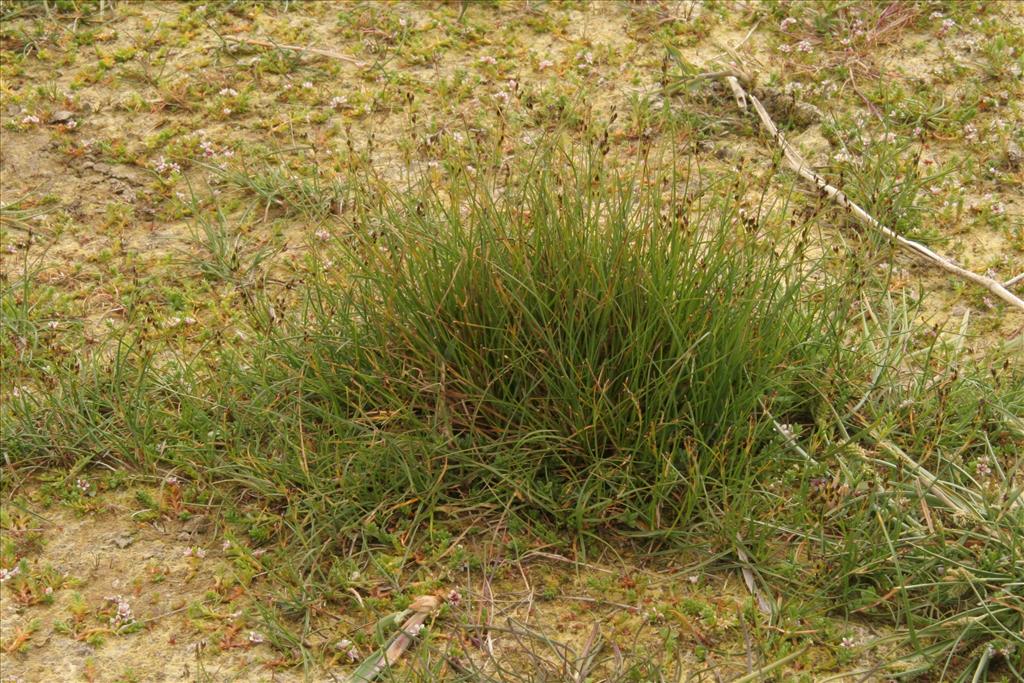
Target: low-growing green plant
648,342
578,350
916,519
280,189
226,254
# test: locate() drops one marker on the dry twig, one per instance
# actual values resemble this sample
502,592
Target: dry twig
299,48
804,170
417,613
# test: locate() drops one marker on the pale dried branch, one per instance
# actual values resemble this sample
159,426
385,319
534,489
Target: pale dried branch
804,170
416,614
299,48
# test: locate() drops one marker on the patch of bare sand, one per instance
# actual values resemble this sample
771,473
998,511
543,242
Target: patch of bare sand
107,554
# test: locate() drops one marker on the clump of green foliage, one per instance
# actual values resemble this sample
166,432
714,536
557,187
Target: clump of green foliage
648,343
580,351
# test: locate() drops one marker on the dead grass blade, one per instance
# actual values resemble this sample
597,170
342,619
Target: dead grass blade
421,609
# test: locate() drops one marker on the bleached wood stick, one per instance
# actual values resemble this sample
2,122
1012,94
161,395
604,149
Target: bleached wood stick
417,613
837,195
297,48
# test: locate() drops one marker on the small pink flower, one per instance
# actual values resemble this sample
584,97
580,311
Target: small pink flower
346,644
983,466
123,616
164,167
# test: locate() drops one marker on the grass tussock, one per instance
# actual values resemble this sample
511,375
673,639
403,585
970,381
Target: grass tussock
647,342
592,353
